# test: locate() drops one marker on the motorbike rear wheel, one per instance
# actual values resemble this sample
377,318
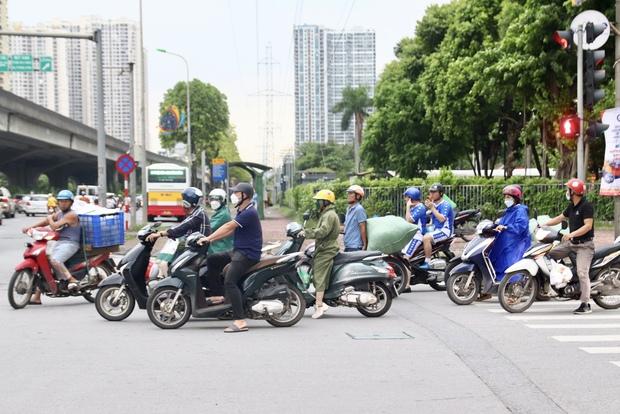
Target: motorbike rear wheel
103,271
513,291
402,273
294,313
160,310
462,292
21,288
104,302
612,274
384,301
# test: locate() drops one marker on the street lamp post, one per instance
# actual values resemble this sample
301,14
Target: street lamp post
189,122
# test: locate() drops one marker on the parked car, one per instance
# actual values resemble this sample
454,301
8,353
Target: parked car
7,204
18,198
35,204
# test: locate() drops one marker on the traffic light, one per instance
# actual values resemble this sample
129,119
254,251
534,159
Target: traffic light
592,60
564,38
569,126
595,129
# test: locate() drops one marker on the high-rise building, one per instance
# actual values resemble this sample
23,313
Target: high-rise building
4,45
326,62
70,88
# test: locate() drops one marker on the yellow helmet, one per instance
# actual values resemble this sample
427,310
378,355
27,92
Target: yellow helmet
326,195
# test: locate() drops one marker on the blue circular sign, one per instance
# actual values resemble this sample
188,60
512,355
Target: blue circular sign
125,164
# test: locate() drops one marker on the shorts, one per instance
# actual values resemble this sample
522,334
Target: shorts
63,250
440,235
413,245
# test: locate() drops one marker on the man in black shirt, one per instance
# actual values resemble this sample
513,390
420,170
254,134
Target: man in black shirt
196,220
580,215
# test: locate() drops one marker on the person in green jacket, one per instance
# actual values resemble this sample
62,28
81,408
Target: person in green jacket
221,215
326,236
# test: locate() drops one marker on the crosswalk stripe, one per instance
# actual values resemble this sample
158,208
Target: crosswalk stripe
531,310
574,326
616,363
551,303
561,317
587,338
601,349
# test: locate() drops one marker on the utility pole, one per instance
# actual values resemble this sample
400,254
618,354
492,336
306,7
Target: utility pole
144,123
132,146
581,170
617,90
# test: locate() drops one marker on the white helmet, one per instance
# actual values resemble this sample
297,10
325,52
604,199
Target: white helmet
357,190
218,194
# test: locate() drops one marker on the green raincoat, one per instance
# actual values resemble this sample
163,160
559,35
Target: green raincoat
326,235
220,217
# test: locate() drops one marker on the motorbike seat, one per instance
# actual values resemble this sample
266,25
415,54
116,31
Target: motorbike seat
465,213
265,260
599,253
75,260
348,257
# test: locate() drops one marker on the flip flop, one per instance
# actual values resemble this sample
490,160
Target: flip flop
234,329
34,303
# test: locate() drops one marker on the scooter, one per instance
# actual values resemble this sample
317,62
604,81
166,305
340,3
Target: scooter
35,271
361,280
475,273
523,280
269,291
465,223
118,293
292,245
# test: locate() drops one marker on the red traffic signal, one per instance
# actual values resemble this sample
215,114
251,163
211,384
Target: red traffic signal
569,126
564,38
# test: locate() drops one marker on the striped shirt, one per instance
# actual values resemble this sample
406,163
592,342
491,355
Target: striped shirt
198,221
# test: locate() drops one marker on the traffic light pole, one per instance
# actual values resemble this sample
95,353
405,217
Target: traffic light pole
617,90
581,170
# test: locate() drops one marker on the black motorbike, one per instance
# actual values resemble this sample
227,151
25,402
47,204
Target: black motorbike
465,223
269,291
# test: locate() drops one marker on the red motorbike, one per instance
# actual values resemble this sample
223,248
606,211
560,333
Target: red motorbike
35,271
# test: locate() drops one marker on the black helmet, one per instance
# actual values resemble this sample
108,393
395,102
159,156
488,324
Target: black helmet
245,188
437,187
191,197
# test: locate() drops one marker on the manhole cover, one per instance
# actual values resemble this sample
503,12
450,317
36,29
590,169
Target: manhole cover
379,337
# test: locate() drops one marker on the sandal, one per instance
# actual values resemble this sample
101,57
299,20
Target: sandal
234,329
34,303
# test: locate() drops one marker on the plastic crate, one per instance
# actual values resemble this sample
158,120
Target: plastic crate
103,230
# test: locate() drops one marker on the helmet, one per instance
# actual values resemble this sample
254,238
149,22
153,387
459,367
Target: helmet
218,194
356,189
437,187
245,188
64,195
82,192
413,193
577,186
326,195
514,191
191,197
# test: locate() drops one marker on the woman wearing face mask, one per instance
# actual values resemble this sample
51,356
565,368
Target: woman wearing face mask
514,235
221,216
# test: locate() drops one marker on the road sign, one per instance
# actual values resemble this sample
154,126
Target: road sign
125,164
220,170
21,63
45,64
595,17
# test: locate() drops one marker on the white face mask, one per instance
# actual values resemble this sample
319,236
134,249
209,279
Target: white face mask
234,199
509,202
215,204
568,195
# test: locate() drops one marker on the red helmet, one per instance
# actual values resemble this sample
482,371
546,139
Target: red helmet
577,186
514,191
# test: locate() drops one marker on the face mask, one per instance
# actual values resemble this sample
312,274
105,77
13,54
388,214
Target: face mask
568,195
509,202
319,204
234,199
215,204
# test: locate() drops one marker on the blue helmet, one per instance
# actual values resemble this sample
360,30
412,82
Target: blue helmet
191,197
64,195
413,193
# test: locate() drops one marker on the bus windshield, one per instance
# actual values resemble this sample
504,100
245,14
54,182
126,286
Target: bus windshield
167,176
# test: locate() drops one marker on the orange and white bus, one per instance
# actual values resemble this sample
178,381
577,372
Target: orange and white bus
164,185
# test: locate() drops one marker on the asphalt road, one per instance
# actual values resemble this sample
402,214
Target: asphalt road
425,356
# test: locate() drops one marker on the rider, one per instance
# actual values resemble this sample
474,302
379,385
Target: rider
52,203
83,197
67,223
442,219
355,221
248,241
326,235
416,214
221,216
580,215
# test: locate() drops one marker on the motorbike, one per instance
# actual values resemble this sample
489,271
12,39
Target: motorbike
361,280
465,223
524,279
270,291
118,293
292,245
35,271
473,272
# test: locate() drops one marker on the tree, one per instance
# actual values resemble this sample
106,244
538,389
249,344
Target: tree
354,104
332,156
228,150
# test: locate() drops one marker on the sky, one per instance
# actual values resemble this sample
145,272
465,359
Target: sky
222,39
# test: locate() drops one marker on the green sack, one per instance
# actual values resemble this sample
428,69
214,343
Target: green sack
449,200
389,234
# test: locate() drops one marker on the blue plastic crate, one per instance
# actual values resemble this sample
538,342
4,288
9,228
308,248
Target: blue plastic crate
103,230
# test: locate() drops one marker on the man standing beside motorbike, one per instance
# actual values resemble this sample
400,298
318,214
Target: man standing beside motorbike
326,236
580,215
442,219
355,238
67,223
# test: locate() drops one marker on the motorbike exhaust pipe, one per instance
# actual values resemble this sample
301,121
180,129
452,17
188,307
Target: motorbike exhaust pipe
356,298
605,288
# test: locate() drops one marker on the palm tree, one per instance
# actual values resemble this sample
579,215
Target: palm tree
355,102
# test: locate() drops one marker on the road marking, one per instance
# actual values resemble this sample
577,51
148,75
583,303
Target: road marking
548,303
601,349
531,310
574,326
616,363
560,317
587,338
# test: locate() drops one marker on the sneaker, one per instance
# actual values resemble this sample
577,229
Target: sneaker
583,309
424,266
320,311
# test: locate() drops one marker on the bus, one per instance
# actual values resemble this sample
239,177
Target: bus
164,185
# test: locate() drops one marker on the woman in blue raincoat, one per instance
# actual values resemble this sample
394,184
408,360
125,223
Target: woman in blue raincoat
514,234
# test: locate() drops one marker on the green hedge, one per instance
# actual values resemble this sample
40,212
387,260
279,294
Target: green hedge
544,196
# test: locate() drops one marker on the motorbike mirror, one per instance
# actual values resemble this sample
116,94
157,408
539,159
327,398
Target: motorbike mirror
306,215
564,225
157,224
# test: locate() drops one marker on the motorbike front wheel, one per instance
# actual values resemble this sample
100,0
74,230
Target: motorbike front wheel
517,291
21,287
166,314
296,307
112,308
384,301
463,288
609,275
